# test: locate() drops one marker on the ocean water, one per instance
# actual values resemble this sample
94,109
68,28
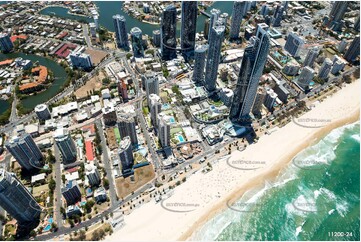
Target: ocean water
316,197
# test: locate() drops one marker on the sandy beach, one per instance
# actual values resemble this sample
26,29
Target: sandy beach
203,196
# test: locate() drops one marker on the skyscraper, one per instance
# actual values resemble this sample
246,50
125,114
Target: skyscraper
16,199
214,17
189,25
270,99
214,53
66,145
336,15
325,69
169,33
294,44
257,105
199,63
264,9
25,151
238,12
354,50
155,107
342,45
206,28
126,123
311,57
278,16
356,25
126,155
164,130
137,42
121,32
151,84
156,38
5,43
305,77
253,62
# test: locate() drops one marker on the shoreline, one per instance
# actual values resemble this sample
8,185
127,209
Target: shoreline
269,175
212,191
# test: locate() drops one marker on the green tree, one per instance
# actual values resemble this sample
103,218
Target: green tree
52,184
105,183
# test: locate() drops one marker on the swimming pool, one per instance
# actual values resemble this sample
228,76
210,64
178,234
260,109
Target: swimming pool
180,138
165,106
48,226
172,120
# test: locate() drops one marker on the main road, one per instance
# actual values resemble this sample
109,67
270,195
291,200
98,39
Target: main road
107,165
58,195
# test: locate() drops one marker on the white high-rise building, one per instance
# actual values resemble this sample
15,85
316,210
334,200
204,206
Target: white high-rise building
164,130
270,99
155,107
65,144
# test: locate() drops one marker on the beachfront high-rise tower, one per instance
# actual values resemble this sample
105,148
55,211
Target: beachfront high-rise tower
126,155
121,31
169,33
253,62
214,53
354,50
189,26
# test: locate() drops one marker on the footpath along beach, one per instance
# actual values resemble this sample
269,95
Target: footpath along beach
203,196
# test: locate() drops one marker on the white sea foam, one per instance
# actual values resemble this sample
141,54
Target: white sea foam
299,229
356,137
331,211
328,193
342,208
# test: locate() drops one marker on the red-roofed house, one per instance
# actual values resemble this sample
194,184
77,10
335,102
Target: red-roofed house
15,37
89,149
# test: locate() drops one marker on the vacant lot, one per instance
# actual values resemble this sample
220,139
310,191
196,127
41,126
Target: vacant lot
94,84
141,176
96,55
